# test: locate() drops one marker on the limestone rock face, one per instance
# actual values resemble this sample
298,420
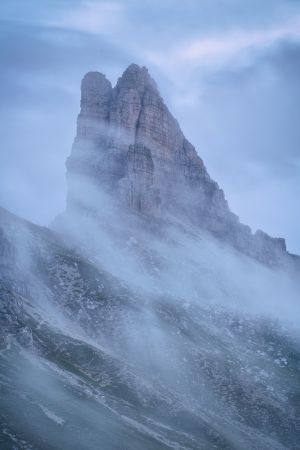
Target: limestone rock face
130,145
137,190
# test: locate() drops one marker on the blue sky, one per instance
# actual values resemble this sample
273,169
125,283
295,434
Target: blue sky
228,70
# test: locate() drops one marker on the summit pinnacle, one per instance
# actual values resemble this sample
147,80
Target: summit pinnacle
129,145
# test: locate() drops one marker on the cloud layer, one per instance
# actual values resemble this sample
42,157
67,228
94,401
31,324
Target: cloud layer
229,72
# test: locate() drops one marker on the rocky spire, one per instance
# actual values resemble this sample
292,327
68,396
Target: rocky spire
129,144
96,93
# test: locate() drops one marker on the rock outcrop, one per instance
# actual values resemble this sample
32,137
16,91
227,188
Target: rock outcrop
129,145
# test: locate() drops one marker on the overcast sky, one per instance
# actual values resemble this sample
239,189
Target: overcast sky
229,70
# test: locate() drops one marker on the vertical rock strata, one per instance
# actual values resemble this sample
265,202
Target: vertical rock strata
130,145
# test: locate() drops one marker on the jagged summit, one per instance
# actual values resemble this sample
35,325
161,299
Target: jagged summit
136,77
95,92
129,145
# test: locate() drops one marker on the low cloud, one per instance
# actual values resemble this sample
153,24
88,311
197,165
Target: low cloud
228,72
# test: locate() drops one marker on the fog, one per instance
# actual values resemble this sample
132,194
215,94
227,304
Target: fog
121,331
185,322
157,256
146,333
235,94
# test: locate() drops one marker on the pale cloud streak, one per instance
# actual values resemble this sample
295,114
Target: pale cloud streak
224,48
91,17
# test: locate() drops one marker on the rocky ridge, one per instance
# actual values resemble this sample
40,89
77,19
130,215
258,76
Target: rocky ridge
129,145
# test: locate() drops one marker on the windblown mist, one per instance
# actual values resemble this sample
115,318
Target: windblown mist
147,315
151,337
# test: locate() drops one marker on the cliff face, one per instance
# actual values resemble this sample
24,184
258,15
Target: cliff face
129,145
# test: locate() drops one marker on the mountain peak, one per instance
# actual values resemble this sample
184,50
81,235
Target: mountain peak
95,94
129,145
135,69
136,77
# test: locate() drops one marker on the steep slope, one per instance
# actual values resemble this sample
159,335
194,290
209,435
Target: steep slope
130,145
148,344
